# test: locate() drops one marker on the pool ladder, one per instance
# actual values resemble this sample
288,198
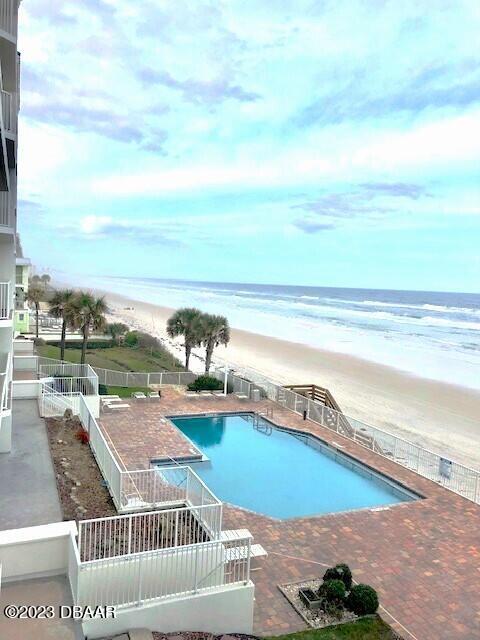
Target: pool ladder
262,425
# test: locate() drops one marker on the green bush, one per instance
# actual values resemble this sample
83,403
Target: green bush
131,339
102,390
339,572
206,383
333,591
362,600
38,342
91,344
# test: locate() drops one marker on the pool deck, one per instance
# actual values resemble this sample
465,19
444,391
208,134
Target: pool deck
423,557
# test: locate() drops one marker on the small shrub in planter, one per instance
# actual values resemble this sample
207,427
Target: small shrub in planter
339,572
362,600
310,599
333,591
206,383
83,436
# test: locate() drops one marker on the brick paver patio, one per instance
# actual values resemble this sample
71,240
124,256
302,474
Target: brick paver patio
423,557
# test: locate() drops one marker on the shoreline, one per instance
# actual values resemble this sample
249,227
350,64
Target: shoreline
438,416
435,415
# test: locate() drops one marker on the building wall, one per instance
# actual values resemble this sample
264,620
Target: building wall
9,66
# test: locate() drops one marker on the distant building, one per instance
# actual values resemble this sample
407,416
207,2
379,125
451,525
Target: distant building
22,313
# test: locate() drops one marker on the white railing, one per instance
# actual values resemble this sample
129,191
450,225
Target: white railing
6,213
106,461
9,111
139,578
171,485
121,535
9,17
454,476
5,365
111,378
53,404
6,301
70,377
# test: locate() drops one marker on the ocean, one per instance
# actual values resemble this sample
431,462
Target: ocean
430,334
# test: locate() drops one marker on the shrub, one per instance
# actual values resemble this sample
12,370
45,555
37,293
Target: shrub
362,600
39,342
91,344
83,436
206,383
339,572
333,591
102,390
131,339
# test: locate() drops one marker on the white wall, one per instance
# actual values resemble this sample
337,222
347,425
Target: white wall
227,611
24,362
26,389
35,551
24,347
5,431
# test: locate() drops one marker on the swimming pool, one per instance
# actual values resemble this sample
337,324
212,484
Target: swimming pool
279,473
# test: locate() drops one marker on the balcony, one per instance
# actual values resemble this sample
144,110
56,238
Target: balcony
6,301
9,18
7,214
9,110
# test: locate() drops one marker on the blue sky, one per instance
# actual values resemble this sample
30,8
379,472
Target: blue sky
332,143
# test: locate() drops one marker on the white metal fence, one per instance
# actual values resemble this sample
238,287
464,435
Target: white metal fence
6,301
138,578
106,461
112,378
8,17
148,531
9,103
450,474
52,403
70,377
6,214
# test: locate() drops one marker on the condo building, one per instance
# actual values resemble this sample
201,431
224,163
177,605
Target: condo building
10,89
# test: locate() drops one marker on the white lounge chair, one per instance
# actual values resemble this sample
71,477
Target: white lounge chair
227,535
139,395
154,394
118,406
241,396
191,394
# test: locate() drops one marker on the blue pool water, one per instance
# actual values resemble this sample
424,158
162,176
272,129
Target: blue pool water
278,474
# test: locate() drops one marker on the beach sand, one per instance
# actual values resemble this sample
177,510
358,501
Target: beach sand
436,415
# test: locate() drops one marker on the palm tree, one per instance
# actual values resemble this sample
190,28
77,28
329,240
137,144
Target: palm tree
60,306
45,278
35,296
186,322
87,315
214,331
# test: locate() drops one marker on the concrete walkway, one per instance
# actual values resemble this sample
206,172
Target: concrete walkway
28,491
53,592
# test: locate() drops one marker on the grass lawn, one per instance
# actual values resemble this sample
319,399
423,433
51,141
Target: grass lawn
367,629
118,358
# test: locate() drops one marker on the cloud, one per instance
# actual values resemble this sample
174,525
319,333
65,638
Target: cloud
29,208
309,225
356,97
367,200
95,227
395,189
197,91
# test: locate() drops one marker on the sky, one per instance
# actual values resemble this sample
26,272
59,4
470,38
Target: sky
329,143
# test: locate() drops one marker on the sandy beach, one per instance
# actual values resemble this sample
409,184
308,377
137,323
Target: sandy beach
439,416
